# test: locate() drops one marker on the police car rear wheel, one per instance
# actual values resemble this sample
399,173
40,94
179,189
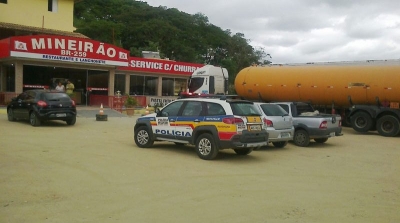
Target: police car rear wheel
142,137
205,147
243,151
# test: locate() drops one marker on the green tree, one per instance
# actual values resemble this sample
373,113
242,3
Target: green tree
136,26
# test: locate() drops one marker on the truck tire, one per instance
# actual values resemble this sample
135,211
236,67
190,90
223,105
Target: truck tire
143,137
361,122
301,138
321,140
243,152
388,126
280,144
206,148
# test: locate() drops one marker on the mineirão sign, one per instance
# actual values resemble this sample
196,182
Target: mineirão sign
160,66
68,49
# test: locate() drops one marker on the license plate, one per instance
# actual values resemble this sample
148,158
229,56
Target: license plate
61,115
332,134
254,127
285,135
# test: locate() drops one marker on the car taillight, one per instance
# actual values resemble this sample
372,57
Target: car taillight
268,122
340,123
323,125
42,104
73,103
232,120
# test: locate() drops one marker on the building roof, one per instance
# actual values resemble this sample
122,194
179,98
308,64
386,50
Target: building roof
37,30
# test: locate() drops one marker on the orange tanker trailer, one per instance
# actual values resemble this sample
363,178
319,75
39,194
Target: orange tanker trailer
368,93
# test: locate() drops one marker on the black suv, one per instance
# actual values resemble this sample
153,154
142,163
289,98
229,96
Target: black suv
42,105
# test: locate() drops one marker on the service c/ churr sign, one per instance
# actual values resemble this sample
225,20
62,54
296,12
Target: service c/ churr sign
68,49
161,66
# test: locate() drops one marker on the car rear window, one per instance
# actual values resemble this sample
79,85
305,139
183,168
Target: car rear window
56,97
244,109
273,110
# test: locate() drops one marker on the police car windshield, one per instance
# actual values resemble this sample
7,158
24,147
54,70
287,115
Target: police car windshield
244,109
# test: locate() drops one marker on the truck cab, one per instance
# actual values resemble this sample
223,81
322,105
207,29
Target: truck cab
208,79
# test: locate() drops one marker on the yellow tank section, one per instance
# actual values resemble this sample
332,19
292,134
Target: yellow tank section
321,85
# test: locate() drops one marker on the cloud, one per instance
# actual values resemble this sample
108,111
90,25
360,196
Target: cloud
307,30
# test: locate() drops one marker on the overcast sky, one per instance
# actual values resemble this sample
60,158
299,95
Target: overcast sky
298,31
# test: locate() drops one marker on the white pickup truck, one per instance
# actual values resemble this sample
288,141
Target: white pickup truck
310,124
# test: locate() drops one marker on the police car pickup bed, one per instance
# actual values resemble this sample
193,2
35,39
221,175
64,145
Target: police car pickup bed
208,123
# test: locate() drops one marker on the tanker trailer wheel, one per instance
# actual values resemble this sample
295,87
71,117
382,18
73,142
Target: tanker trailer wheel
388,125
301,138
361,122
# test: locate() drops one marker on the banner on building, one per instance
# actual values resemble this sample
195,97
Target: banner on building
68,49
161,66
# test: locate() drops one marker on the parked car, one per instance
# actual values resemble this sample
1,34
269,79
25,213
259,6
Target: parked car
209,124
310,124
277,122
42,105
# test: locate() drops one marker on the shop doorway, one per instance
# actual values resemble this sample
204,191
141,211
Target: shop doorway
88,83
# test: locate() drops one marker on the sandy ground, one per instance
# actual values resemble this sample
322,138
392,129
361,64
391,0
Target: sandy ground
94,172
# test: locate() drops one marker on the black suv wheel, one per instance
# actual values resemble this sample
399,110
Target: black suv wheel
33,119
10,115
71,121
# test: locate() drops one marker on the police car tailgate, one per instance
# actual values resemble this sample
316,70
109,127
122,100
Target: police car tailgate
252,133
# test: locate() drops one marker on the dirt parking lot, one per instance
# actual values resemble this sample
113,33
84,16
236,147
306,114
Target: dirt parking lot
94,172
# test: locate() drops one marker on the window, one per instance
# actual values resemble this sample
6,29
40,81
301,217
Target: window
180,86
172,109
273,110
143,85
119,83
192,108
56,97
167,86
173,86
244,109
195,83
52,5
215,109
285,107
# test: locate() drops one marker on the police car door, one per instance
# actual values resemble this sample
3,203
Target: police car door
166,121
192,116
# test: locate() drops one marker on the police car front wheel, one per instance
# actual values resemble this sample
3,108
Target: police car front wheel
205,147
142,137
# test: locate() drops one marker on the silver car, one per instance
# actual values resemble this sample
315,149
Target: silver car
277,122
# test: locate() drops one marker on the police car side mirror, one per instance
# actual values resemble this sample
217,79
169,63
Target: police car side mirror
158,112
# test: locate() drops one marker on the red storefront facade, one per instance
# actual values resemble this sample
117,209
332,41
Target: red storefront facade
98,70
